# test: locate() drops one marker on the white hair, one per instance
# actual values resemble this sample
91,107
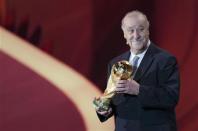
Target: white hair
136,14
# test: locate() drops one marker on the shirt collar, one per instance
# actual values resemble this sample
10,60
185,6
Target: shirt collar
143,53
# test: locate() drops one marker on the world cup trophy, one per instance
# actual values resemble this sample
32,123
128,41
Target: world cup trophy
121,70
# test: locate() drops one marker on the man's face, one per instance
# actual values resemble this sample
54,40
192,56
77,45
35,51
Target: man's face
136,33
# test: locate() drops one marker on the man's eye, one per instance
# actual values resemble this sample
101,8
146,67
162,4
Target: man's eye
131,31
141,29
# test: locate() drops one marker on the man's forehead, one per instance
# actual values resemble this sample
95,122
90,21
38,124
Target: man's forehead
131,22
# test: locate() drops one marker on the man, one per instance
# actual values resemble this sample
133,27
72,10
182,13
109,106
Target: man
147,102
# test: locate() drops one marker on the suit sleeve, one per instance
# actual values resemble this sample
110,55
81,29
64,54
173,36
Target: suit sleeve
166,94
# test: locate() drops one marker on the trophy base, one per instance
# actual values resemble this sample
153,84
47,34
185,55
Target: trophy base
102,104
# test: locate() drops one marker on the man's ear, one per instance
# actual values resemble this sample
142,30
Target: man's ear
125,38
124,34
147,33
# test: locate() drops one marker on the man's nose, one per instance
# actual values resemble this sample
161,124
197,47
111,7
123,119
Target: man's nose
136,34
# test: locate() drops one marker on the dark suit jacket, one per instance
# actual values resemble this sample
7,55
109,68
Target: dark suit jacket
153,109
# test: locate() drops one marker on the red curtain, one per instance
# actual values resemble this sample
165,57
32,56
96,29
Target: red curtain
87,34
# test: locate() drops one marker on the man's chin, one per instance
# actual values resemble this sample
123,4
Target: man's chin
137,45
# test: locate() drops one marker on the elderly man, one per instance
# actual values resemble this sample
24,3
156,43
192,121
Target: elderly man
146,102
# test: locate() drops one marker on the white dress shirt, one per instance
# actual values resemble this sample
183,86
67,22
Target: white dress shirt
141,55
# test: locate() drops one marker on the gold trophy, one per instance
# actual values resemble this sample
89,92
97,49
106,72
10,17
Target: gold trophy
121,70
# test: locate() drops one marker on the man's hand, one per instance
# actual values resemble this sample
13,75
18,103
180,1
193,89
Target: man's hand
128,87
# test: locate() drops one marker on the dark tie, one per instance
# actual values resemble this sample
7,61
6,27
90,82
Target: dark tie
134,65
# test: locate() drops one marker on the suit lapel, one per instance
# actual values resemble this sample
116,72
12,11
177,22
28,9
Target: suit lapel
145,63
